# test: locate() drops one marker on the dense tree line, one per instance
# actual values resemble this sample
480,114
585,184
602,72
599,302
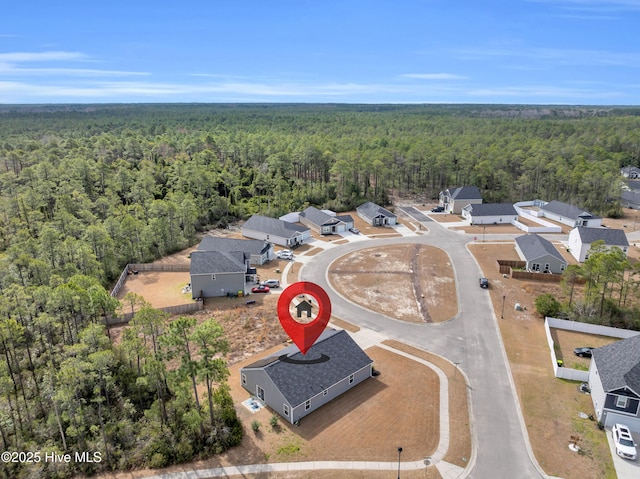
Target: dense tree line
86,189
603,290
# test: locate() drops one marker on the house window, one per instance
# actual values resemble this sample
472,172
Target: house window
307,405
562,267
535,267
267,237
351,379
213,277
285,409
325,392
244,379
260,392
621,402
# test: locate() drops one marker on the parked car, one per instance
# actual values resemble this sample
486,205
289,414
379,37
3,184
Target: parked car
355,231
437,209
271,283
260,289
484,283
284,254
625,447
584,352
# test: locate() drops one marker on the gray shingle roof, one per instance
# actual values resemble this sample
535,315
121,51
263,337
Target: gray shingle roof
211,262
619,364
345,218
567,210
371,210
465,193
300,382
611,237
492,209
211,243
534,246
274,226
318,217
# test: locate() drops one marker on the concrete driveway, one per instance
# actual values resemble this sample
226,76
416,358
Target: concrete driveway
625,469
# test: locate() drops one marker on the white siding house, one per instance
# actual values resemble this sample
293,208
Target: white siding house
581,239
489,213
275,231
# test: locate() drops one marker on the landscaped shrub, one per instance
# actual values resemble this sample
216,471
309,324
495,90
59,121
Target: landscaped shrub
547,305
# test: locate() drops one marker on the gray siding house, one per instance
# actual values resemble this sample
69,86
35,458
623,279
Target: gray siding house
569,215
489,213
581,239
454,199
539,254
258,252
295,390
217,273
275,231
376,215
322,222
614,378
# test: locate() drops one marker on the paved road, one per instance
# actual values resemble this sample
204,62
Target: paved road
471,340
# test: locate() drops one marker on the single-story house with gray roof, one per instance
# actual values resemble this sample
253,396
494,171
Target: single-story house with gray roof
454,199
489,213
294,389
570,215
376,215
275,231
219,273
322,222
581,239
614,379
259,252
540,254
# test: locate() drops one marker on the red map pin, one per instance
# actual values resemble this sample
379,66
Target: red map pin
304,334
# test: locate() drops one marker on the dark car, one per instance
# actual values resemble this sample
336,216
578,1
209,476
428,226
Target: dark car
583,352
437,209
484,283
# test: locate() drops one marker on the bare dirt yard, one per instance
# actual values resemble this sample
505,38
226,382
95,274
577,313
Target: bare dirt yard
412,283
550,406
159,288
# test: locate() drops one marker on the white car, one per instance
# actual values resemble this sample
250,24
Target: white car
272,283
284,254
625,447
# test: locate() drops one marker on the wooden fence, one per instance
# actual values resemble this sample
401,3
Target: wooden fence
179,309
507,267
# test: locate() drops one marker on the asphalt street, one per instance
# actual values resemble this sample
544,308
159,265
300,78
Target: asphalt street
471,340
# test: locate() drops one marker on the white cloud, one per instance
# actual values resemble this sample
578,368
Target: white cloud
22,57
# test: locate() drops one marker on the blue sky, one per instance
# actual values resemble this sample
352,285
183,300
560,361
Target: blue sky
319,51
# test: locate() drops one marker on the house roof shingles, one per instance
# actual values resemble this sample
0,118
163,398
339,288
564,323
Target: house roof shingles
211,262
211,243
274,226
619,364
611,237
300,382
371,210
465,193
492,209
567,210
318,217
534,246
